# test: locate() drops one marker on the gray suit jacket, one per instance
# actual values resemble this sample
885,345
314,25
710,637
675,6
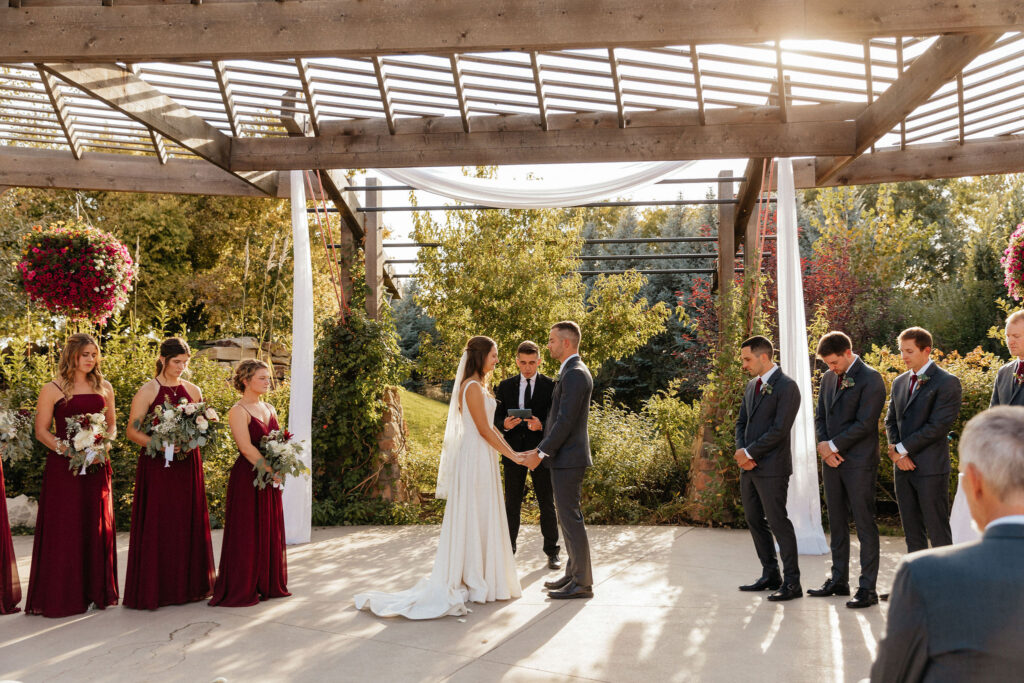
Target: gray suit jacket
849,417
566,440
765,423
957,613
1006,391
922,422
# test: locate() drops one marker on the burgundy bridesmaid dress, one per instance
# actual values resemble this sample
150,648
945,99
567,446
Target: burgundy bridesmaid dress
170,556
74,555
253,565
10,586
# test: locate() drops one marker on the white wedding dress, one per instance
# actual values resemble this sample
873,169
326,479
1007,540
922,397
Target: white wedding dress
474,561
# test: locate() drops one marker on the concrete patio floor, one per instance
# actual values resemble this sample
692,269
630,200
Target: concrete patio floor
666,608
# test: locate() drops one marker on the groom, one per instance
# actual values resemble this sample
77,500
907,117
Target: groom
565,450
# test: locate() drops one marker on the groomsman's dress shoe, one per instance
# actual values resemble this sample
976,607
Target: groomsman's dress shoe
884,597
790,591
553,562
772,582
572,590
863,598
558,584
830,587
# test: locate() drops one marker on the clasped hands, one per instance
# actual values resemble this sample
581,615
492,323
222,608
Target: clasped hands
529,458
828,456
743,461
532,423
901,460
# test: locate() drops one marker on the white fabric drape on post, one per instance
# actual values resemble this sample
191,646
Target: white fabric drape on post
804,503
512,194
298,491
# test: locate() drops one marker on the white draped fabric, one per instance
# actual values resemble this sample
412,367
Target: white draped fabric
297,498
804,504
960,522
512,194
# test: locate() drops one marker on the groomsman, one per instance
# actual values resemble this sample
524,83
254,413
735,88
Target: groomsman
1010,378
769,408
850,402
924,404
528,389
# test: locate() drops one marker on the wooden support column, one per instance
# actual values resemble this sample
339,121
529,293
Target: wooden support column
374,252
726,236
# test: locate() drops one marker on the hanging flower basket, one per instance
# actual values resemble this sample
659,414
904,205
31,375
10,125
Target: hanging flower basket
1013,264
77,271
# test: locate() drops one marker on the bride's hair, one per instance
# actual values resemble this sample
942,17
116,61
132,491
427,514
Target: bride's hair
477,350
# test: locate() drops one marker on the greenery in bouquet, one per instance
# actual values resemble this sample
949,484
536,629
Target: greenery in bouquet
178,429
281,454
16,427
1013,264
88,441
77,271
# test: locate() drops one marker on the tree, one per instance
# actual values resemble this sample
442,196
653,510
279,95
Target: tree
510,275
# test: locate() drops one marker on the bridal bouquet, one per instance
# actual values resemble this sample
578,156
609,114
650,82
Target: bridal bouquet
281,454
87,442
185,426
16,428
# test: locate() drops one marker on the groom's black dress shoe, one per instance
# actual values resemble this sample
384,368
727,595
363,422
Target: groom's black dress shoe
771,582
884,597
830,587
790,591
863,598
572,590
553,562
558,584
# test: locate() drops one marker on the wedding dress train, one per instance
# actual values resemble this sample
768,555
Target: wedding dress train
474,561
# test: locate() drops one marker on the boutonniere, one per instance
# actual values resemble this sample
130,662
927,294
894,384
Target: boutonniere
847,383
922,380
766,389
1018,379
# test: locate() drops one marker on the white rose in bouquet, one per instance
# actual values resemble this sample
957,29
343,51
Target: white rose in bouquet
190,408
169,416
202,423
84,439
211,415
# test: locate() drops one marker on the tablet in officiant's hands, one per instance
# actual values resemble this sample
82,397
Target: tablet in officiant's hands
521,413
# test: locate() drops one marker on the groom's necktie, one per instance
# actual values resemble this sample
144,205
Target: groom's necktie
913,383
757,388
839,380
528,395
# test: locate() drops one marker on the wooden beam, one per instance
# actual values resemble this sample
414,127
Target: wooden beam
538,84
585,138
385,94
158,145
750,190
620,107
103,171
155,30
460,93
307,90
373,252
225,94
726,236
127,93
944,59
698,88
991,156
60,109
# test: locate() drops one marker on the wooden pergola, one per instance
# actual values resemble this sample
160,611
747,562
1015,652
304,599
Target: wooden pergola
221,96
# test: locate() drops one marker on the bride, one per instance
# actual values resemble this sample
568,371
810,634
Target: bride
474,560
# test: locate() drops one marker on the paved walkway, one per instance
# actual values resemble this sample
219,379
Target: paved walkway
666,609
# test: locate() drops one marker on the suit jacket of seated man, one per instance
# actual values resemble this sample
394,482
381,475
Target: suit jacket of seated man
521,438
763,429
1007,391
957,613
920,424
847,419
566,446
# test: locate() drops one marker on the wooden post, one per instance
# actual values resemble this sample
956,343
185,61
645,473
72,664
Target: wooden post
374,252
726,235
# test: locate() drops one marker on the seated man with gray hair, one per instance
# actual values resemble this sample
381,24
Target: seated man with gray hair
957,612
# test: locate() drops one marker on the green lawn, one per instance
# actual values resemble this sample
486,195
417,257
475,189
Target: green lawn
425,419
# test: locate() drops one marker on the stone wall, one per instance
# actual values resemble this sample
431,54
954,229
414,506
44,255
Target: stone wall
391,442
230,351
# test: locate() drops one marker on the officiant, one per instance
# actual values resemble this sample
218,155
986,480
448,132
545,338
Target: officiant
523,404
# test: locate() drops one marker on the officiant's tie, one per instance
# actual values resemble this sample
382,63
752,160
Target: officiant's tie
913,383
529,394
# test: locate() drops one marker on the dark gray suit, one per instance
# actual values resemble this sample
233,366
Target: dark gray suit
1007,391
566,444
763,428
921,423
848,417
957,613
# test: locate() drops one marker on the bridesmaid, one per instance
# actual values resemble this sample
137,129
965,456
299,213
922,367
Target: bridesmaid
74,555
170,556
10,585
253,565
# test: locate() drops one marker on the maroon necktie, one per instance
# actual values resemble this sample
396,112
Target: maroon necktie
839,380
757,387
913,383
1020,372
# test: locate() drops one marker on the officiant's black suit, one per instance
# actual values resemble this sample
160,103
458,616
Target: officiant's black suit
566,444
921,422
848,417
763,428
520,438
